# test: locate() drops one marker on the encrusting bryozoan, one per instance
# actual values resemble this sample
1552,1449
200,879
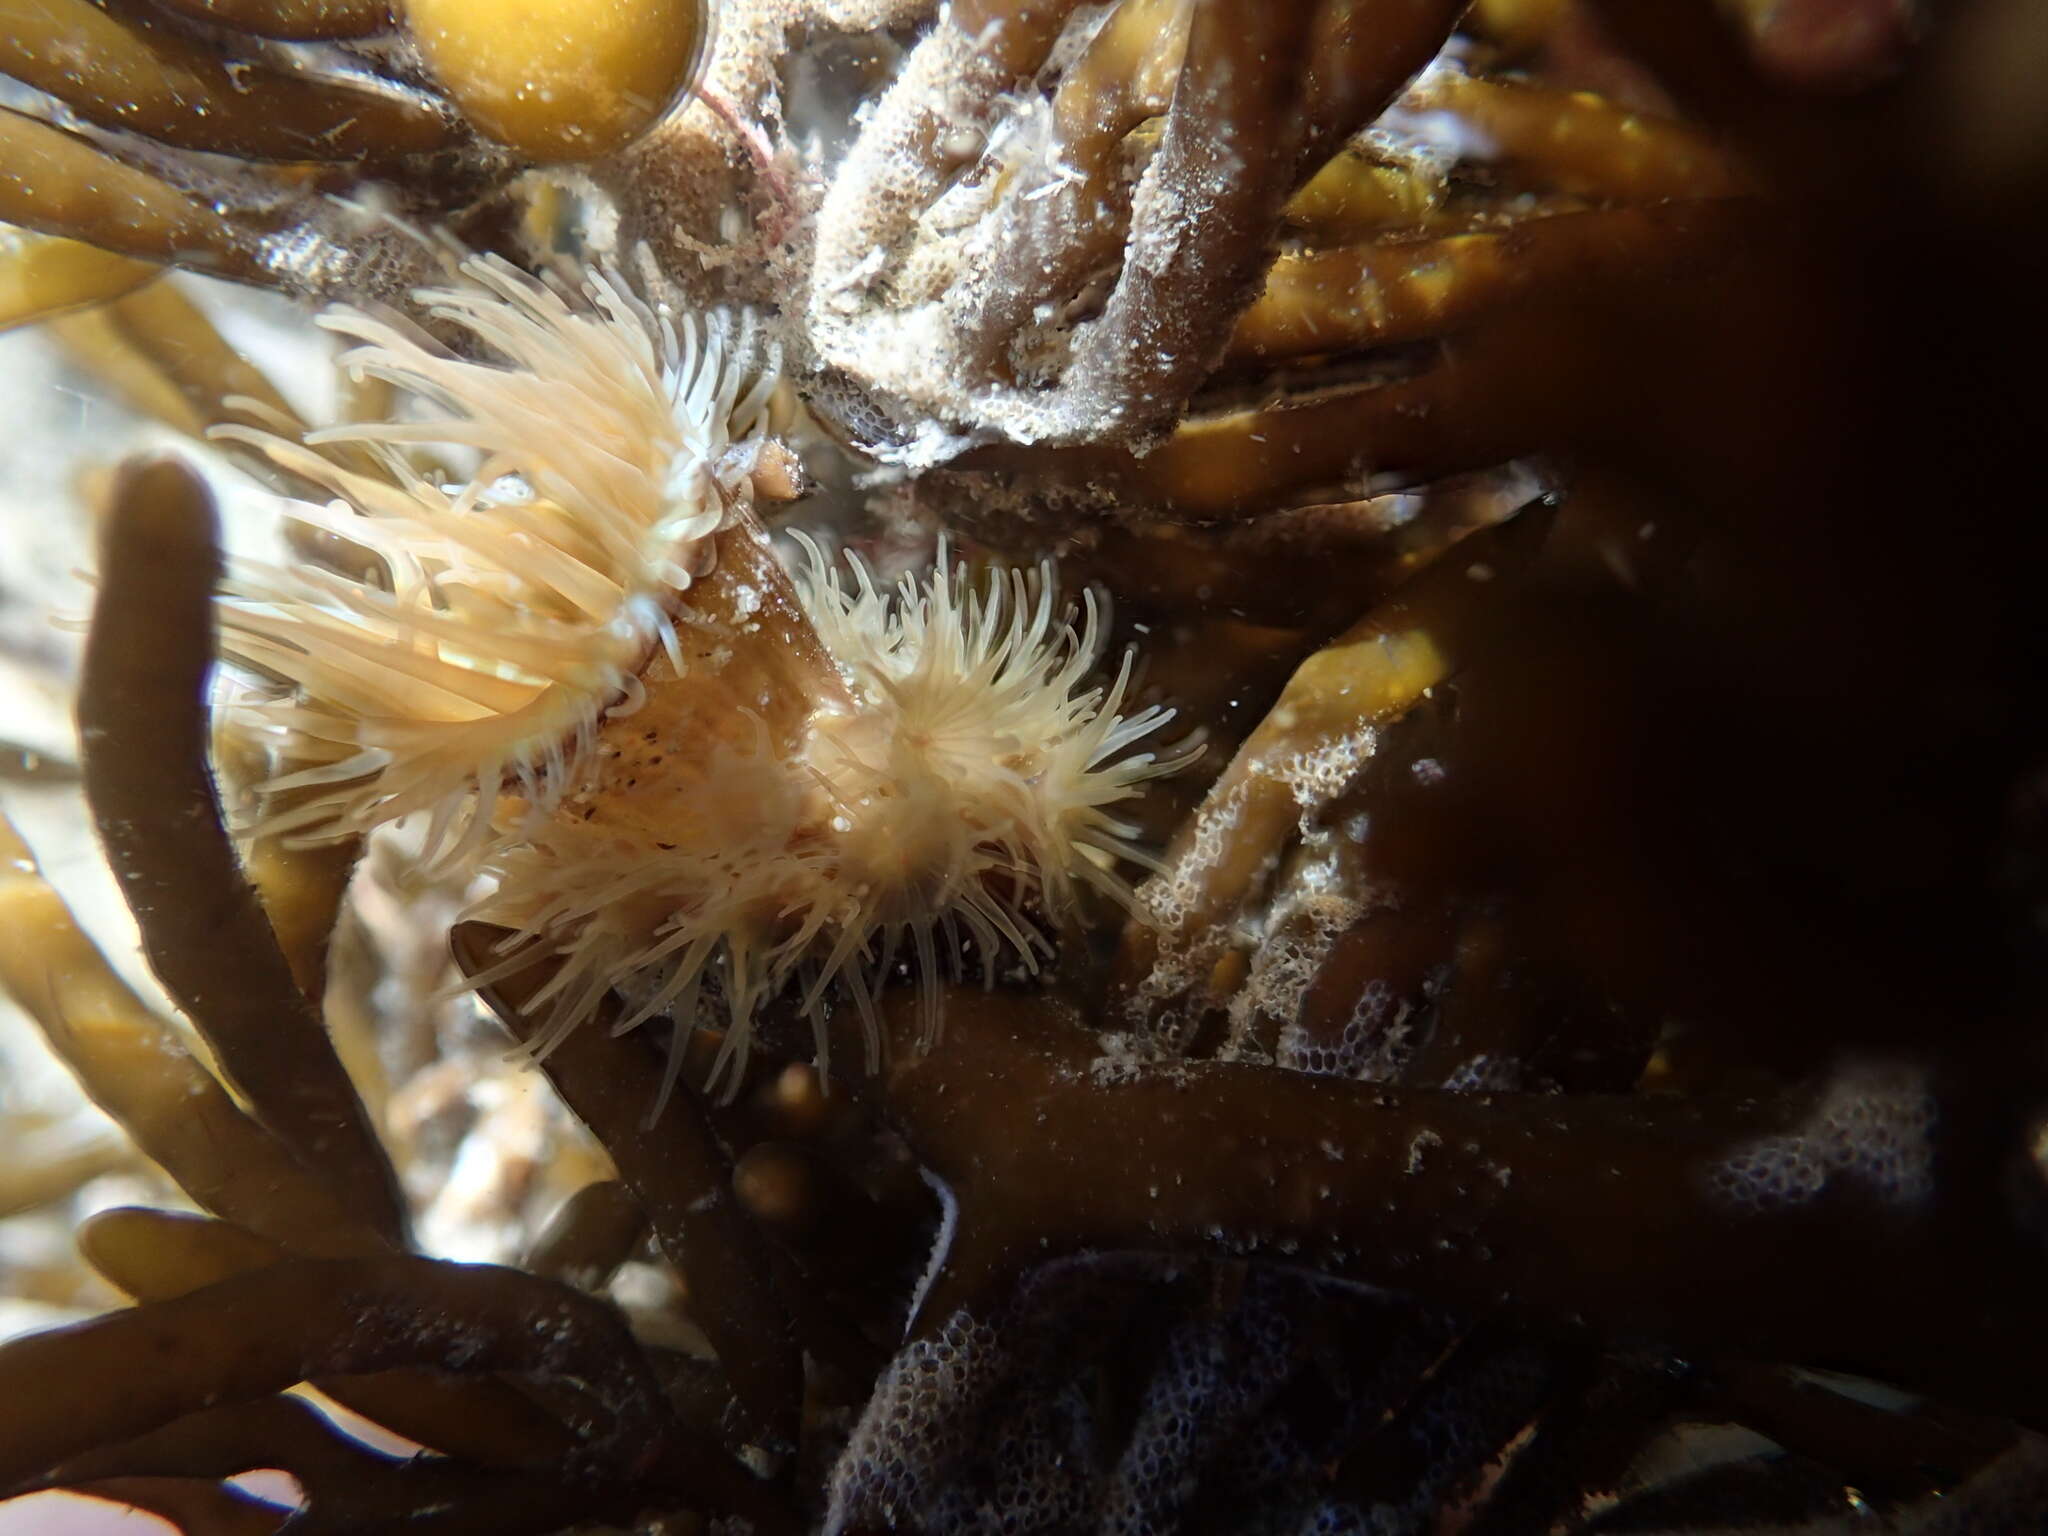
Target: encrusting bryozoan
678,762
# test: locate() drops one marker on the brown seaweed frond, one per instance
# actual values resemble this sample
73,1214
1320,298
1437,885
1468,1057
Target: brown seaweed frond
294,145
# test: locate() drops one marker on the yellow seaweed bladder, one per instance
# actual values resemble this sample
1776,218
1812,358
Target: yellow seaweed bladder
562,80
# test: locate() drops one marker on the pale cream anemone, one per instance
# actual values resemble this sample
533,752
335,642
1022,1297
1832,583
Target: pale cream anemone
516,607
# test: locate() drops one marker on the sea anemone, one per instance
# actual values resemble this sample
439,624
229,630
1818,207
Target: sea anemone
590,671
515,607
948,797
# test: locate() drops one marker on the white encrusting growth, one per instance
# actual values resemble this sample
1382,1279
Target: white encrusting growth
611,441
942,775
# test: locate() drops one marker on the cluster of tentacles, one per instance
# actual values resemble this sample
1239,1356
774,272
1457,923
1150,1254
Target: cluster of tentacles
1580,1064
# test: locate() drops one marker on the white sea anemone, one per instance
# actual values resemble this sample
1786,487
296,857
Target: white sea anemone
947,803
612,442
